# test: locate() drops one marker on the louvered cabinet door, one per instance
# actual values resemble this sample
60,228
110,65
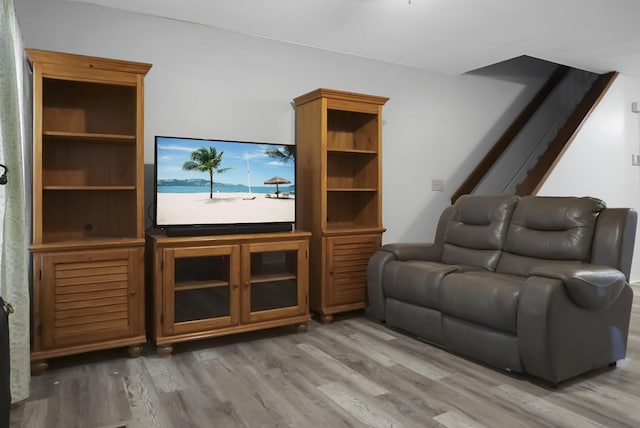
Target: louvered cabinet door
90,297
347,259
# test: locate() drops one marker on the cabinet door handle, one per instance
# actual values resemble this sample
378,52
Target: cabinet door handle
235,286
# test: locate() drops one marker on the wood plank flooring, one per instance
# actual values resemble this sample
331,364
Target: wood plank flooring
352,373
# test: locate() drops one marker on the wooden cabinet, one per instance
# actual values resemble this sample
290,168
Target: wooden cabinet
88,214
347,259
338,161
211,286
92,294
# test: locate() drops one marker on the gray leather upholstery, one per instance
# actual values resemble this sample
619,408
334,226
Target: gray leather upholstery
614,239
375,309
558,339
590,286
549,228
534,284
477,229
485,298
415,281
484,344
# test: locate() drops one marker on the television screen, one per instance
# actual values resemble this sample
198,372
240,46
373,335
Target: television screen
231,186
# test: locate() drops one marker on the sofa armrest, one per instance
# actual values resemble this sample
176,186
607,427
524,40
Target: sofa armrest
559,339
589,286
375,302
414,251
376,265
614,239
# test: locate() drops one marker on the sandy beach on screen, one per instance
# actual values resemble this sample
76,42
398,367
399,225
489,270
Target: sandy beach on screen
197,208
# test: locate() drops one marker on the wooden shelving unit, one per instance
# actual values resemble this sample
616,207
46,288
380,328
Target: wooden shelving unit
338,158
88,214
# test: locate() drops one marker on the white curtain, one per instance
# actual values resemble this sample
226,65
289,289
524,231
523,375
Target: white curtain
15,125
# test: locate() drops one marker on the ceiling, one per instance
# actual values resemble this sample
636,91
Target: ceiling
449,36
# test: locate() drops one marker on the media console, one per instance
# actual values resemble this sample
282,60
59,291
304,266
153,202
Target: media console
208,286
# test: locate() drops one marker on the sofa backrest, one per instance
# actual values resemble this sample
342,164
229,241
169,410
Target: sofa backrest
476,230
547,229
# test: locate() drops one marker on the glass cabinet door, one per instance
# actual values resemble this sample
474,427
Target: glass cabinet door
202,287
273,280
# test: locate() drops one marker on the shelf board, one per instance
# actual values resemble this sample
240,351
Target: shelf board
90,188
356,151
87,242
196,285
272,277
352,189
346,227
89,136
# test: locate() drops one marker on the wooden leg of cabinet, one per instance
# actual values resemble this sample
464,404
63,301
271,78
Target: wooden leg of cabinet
164,350
326,318
302,327
135,351
39,367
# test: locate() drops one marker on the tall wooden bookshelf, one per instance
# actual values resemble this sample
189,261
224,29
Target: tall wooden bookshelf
88,205
338,187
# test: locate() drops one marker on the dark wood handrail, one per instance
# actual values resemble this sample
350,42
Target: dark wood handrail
512,131
539,173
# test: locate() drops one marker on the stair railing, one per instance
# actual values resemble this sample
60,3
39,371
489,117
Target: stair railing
538,174
555,127
508,136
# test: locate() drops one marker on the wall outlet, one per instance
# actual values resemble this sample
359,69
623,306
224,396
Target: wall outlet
437,185
635,160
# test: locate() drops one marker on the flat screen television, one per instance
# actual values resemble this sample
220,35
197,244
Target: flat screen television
223,187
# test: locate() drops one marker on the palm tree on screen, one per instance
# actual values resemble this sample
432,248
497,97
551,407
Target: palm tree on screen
206,160
284,155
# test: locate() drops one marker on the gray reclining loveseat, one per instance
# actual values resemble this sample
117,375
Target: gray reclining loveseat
537,285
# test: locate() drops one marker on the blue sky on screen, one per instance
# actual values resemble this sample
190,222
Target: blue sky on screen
172,153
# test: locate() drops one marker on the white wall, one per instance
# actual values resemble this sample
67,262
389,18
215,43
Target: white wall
211,83
598,162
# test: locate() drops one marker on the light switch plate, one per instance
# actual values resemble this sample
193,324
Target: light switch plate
437,185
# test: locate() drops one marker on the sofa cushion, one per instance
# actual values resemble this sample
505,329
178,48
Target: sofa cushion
477,230
415,281
549,228
482,297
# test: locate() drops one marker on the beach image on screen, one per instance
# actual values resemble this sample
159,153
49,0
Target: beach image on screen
223,182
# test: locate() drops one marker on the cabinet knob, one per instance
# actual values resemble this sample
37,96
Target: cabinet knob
235,286
133,293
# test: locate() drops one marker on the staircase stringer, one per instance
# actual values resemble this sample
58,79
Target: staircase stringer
552,156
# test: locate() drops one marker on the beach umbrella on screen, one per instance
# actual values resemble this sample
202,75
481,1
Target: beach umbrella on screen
277,180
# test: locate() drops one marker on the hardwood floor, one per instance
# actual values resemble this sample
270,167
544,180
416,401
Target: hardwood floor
352,373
